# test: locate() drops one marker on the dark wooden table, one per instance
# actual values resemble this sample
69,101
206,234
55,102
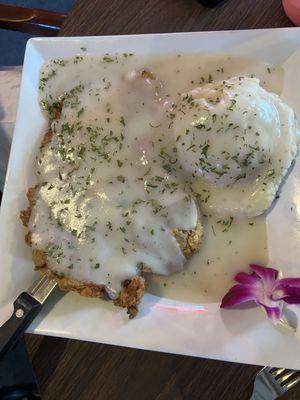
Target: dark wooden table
68,369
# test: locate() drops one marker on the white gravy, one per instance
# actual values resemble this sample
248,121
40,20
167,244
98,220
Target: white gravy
110,192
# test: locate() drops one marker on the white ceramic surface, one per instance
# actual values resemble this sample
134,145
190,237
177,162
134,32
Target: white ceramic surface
162,324
9,94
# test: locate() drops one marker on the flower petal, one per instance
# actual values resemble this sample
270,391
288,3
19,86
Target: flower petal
238,294
288,289
246,279
293,298
264,288
265,273
289,282
273,313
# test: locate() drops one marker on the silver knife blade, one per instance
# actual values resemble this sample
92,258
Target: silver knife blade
41,289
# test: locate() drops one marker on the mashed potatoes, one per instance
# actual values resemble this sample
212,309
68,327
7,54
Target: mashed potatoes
237,141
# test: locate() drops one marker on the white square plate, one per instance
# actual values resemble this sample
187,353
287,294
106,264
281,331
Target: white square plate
185,328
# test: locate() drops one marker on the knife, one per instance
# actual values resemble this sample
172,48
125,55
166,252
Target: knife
30,20
26,308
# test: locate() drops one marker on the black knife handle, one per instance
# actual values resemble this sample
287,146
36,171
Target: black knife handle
26,309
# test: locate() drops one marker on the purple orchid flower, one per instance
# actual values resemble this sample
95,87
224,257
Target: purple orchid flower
264,288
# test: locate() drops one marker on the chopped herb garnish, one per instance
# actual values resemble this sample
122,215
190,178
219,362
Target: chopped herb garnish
240,176
107,59
270,173
122,121
80,112
226,223
51,249
121,178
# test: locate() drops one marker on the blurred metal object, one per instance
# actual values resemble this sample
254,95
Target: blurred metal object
30,20
271,383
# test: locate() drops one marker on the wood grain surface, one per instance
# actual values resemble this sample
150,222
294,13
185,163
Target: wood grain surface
115,17
68,369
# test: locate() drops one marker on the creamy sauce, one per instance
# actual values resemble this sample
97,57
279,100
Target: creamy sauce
111,190
236,141
226,250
